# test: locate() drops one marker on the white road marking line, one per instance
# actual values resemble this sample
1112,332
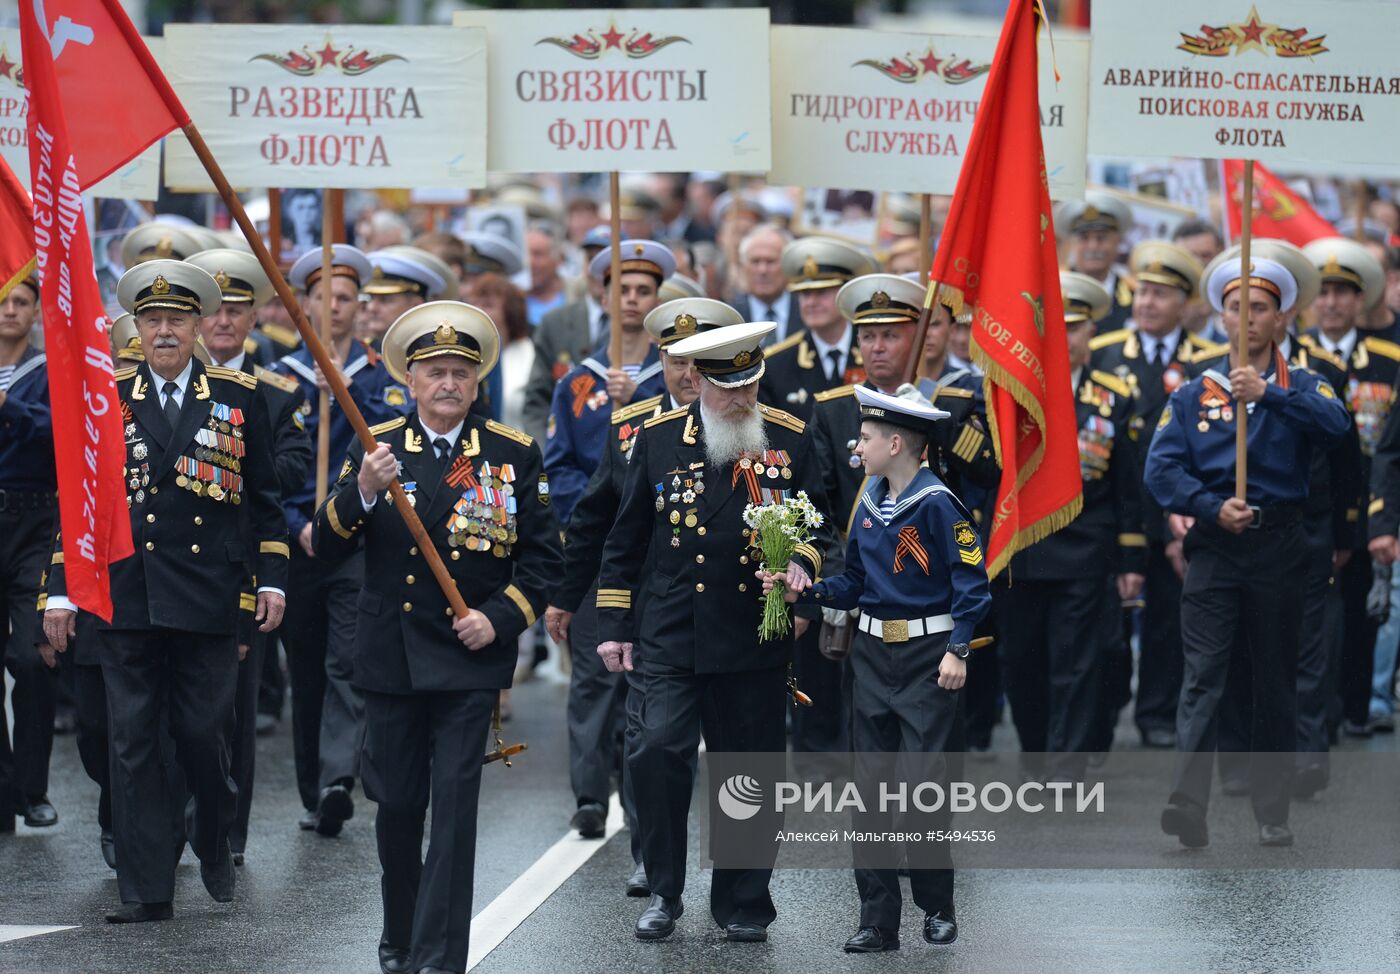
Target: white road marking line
536,884
11,932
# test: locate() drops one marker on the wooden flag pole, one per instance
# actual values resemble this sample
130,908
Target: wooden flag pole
323,412
326,363
925,232
1242,336
916,351
615,275
274,224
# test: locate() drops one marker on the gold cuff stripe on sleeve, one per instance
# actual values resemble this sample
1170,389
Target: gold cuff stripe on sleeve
810,552
521,603
275,548
58,557
969,442
1376,506
43,602
247,602
614,598
1132,540
334,520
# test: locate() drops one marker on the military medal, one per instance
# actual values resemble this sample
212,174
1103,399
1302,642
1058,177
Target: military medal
138,450
758,469
140,497
660,503
1203,426
787,473
688,497
675,517
772,473
690,519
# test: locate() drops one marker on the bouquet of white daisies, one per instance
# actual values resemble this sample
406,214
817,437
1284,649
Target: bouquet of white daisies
777,531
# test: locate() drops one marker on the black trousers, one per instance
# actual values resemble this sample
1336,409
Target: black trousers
982,694
596,711
243,739
26,539
1251,586
318,632
1358,639
1236,712
188,678
826,725
1159,651
747,711
272,690
422,747
90,698
1116,682
1052,663
900,707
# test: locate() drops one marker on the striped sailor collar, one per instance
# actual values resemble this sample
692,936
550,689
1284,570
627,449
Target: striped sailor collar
925,482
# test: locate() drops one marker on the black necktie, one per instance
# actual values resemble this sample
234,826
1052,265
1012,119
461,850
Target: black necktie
442,447
833,368
172,408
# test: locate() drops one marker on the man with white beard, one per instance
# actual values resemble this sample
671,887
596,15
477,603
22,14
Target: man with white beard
691,474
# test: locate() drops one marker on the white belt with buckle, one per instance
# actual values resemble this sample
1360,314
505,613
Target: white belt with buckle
902,630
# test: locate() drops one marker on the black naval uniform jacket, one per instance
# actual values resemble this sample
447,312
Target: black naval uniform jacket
187,502
1121,353
1107,536
702,604
960,451
495,533
594,514
1369,395
794,374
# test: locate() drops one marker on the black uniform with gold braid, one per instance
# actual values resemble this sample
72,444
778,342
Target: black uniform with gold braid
680,534
176,607
796,375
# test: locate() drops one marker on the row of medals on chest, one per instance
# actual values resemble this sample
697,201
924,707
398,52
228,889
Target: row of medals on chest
483,517
213,471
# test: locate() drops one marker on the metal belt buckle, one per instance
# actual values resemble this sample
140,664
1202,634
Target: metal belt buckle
1258,520
895,630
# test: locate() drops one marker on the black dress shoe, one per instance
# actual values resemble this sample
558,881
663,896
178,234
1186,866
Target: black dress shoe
872,940
1188,824
1275,835
591,820
1309,780
218,875
335,809
1159,737
637,884
109,848
659,918
394,960
39,813
141,913
309,820
238,858
745,933
940,929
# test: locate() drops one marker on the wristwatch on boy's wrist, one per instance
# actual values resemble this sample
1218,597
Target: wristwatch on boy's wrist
960,650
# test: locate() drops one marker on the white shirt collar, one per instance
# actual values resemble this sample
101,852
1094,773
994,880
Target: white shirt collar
1343,347
779,311
235,363
843,346
452,435
1149,343
1076,377
181,381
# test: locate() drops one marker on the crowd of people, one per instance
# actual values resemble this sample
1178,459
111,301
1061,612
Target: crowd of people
582,481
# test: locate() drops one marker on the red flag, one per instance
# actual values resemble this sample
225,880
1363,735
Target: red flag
998,247
117,100
1278,211
16,232
89,441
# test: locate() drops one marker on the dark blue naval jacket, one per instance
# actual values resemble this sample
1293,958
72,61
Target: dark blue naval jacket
579,417
26,428
927,560
1191,462
374,391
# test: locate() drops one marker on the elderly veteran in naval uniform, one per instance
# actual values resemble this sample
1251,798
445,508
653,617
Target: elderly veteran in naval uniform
198,462
403,277
430,682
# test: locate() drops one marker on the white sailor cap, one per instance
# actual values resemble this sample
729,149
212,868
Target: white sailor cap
490,253
1085,298
728,357
1345,260
641,256
346,261
1305,275
679,286
1266,274
890,299
441,328
239,275
171,284
683,317
158,240
1096,211
909,409
820,262
402,269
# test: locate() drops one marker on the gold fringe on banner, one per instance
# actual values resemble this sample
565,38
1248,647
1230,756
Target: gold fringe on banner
20,275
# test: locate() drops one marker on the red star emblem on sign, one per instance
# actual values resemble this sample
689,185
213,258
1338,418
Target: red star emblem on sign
1253,29
930,62
613,38
328,54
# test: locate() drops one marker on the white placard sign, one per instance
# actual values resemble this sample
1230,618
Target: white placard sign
643,90
1274,80
893,111
139,179
336,106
